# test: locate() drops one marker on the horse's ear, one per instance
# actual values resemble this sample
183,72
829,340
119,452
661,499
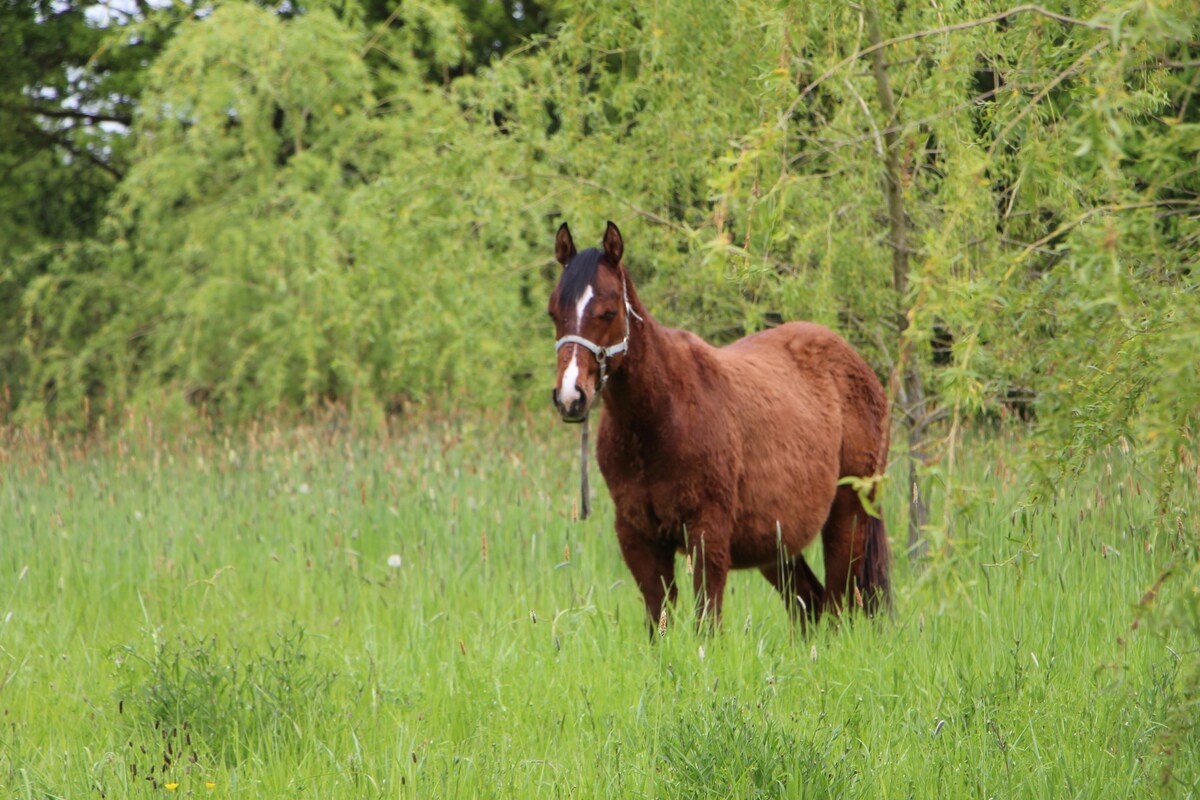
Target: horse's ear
614,245
564,245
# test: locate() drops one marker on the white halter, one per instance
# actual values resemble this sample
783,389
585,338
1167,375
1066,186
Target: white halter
603,354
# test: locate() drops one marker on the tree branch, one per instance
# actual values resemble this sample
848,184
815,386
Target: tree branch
650,215
1069,72
68,113
897,221
1085,216
56,140
958,26
906,383
828,146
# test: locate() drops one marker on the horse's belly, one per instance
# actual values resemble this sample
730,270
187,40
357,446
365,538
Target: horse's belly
774,486
761,538
783,501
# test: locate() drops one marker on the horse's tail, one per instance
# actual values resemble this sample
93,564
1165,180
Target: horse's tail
875,578
874,582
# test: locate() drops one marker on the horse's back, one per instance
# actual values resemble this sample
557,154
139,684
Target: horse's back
821,381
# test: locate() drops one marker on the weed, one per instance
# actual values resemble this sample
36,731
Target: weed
203,694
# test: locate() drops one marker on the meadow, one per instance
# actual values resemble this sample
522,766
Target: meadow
313,612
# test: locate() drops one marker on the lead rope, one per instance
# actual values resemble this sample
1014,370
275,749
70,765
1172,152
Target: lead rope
585,504
585,507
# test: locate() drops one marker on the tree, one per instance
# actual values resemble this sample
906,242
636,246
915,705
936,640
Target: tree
753,186
65,101
79,301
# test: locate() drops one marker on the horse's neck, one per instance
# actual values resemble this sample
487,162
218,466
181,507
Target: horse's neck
641,393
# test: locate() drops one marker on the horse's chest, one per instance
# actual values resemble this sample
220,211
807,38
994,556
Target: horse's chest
655,488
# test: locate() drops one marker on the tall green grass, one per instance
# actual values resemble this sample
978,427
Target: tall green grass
221,616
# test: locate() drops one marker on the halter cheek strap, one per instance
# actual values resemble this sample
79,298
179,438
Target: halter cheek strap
603,354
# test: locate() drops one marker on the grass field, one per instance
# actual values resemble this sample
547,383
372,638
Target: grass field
307,614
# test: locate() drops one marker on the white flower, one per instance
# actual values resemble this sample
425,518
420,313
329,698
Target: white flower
394,560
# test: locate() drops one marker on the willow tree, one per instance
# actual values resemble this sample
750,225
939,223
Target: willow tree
294,228
353,230
1044,164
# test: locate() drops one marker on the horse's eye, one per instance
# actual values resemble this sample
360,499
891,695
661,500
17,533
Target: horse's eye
608,316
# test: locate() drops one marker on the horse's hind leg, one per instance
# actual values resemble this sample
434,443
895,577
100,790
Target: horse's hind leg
801,590
843,539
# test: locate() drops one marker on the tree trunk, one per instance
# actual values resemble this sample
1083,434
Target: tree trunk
911,392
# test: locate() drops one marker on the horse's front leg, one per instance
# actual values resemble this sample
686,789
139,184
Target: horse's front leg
652,563
708,544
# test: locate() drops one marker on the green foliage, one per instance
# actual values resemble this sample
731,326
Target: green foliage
1047,187
360,210
281,239
67,96
736,749
236,214
218,699
66,93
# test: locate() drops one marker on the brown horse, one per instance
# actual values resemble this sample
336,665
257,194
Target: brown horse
731,455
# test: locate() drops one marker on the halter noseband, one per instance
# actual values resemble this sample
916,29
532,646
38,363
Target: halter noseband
603,354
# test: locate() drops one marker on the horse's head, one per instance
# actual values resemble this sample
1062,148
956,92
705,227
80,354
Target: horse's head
590,309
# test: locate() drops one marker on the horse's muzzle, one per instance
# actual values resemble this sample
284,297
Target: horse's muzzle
576,410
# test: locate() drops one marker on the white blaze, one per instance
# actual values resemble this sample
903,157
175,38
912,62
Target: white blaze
581,306
567,392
